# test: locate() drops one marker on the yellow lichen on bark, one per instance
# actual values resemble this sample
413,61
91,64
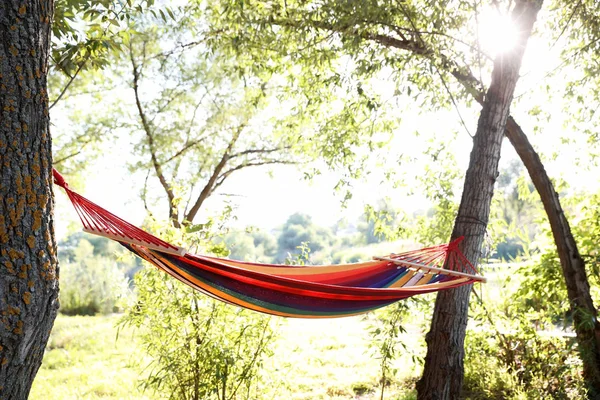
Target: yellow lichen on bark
37,220
19,329
14,310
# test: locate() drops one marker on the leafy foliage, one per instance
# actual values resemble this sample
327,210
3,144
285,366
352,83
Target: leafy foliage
542,292
520,362
87,33
384,332
200,348
91,283
300,230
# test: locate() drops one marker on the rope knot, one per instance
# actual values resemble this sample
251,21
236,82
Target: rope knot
59,180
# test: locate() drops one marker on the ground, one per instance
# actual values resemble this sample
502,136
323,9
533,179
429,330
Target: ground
87,358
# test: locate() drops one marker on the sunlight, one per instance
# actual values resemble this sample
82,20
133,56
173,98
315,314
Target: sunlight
497,32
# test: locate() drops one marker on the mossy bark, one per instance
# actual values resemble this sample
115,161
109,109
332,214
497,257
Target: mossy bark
28,263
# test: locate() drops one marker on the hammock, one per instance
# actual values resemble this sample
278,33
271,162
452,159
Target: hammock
289,290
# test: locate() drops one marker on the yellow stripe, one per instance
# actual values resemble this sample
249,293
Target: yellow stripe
426,278
436,286
404,279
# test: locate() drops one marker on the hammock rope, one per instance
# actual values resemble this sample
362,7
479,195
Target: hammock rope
288,290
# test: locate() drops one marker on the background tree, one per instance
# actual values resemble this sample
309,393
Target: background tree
420,47
87,35
195,121
299,229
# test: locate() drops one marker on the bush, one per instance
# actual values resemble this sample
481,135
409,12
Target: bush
91,284
521,364
200,348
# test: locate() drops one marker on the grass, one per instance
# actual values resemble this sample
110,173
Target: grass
330,359
313,359
84,360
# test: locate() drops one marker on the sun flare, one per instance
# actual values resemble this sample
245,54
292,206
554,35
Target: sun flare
497,32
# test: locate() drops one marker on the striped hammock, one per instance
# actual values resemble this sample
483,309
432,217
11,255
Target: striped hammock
289,290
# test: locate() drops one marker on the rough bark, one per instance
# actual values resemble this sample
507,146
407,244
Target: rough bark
28,263
443,372
585,315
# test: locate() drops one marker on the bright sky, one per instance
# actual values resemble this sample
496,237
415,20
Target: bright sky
266,201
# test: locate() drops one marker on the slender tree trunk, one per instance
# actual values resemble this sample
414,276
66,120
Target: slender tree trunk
443,373
28,263
585,314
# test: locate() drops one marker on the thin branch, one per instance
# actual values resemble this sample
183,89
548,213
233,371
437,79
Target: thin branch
462,121
185,148
260,151
64,71
208,188
567,24
82,145
72,78
227,173
178,47
411,21
187,203
400,31
144,194
60,160
166,104
198,104
173,214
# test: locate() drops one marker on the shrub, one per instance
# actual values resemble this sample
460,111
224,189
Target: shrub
91,284
200,348
521,364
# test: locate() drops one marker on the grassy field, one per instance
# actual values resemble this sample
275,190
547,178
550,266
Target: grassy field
313,359
84,360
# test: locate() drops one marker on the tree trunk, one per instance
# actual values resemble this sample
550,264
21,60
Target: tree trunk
443,372
585,314
28,263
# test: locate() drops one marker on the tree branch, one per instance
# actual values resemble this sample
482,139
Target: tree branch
208,188
227,173
71,79
185,148
173,213
461,73
259,151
